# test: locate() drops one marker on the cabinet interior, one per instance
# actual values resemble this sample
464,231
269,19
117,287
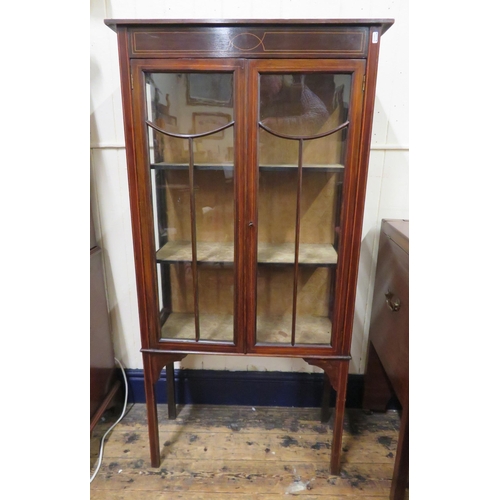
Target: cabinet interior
205,204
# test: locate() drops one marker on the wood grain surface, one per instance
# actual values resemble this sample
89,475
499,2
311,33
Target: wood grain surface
235,452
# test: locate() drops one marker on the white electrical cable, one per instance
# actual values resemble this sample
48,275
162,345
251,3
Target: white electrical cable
101,450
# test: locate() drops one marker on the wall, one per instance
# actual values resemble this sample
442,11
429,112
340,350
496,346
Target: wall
387,190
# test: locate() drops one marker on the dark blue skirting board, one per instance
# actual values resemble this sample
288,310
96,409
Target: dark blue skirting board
247,388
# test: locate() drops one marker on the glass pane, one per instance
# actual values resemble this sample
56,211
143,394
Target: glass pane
299,204
274,304
193,202
214,199
191,103
177,300
276,236
216,302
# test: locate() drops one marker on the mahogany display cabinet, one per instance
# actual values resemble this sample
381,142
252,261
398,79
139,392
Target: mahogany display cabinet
247,150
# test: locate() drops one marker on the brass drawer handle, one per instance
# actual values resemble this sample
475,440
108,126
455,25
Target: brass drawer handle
393,304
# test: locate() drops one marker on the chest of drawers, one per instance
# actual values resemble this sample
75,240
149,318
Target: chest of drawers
388,353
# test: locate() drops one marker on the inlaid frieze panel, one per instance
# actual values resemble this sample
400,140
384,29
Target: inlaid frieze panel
343,41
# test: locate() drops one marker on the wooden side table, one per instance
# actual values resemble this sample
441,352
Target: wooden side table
387,367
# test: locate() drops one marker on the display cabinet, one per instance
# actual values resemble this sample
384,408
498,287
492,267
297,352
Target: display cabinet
247,151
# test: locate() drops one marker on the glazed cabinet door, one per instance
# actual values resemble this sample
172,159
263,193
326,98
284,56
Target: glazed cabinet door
305,123
189,162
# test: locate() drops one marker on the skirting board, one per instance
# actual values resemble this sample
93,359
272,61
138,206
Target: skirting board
247,388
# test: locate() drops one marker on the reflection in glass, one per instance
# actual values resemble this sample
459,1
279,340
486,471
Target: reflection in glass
288,105
303,105
193,202
179,107
299,204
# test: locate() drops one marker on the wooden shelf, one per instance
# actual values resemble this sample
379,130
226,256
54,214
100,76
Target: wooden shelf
198,166
180,251
309,253
270,329
284,253
213,327
311,167
308,330
263,168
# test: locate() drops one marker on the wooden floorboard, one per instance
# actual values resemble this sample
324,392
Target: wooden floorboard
240,453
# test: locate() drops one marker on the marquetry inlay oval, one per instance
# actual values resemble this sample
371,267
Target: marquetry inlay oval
245,41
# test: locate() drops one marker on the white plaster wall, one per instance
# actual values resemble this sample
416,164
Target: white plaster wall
387,190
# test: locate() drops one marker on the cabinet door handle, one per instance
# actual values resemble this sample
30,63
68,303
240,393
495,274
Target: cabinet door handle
393,303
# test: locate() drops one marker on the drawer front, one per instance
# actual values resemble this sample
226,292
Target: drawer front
390,314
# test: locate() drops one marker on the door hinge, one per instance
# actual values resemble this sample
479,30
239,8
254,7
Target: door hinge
364,82
132,80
